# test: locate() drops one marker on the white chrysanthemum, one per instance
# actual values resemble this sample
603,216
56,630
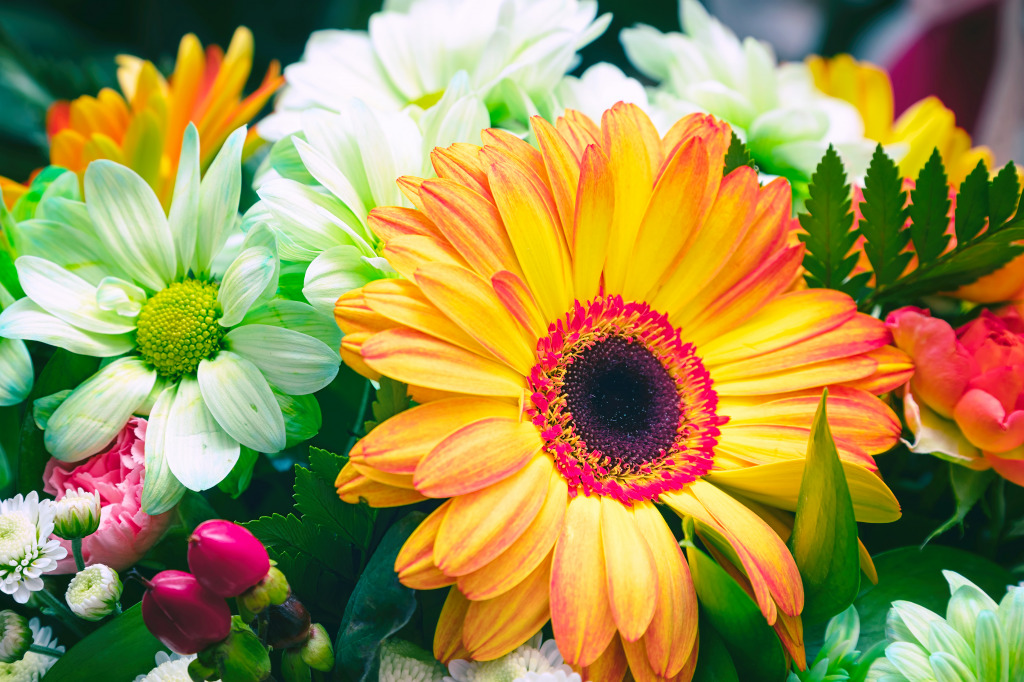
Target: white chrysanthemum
33,666
514,52
785,120
327,179
535,661
169,668
403,662
598,89
26,550
77,514
202,347
93,592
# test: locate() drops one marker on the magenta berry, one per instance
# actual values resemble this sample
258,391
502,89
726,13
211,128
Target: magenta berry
226,558
183,614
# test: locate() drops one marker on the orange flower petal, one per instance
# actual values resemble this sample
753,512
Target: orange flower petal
520,303
461,162
516,148
448,635
578,131
389,222
595,209
610,666
415,562
563,171
495,627
629,564
406,254
353,486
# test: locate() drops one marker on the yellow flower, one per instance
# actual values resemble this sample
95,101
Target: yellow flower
921,128
593,329
142,126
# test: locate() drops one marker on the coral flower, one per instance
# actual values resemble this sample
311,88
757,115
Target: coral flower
594,329
142,126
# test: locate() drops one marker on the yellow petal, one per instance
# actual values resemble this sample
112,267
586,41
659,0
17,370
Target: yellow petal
495,627
632,576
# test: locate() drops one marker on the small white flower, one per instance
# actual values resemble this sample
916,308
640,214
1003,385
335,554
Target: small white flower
169,668
33,666
535,661
77,514
26,550
15,636
93,593
403,662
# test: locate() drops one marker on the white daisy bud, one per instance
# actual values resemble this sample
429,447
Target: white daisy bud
15,636
93,593
77,514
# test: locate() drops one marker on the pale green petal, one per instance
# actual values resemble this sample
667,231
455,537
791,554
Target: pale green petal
916,618
330,176
198,451
43,408
76,250
130,223
334,272
25,320
941,637
992,649
91,416
119,296
246,280
1011,620
334,135
312,221
240,400
184,213
949,668
160,489
219,192
299,317
964,606
68,296
15,372
302,417
648,49
911,660
292,361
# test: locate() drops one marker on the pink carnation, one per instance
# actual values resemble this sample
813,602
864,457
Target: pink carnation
125,532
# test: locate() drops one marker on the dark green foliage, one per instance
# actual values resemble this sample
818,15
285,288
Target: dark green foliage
737,155
929,211
392,397
972,204
1002,196
884,210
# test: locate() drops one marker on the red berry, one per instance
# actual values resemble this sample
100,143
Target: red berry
183,614
226,558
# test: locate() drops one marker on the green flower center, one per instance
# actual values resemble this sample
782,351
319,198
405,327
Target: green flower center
88,584
177,328
17,536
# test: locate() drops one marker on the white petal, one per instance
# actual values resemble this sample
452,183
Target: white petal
218,200
43,408
160,489
246,280
184,213
334,272
327,174
292,361
76,250
15,372
91,416
298,317
299,215
239,398
130,223
68,297
124,298
25,320
199,452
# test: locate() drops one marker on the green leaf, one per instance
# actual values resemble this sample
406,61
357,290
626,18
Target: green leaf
929,210
317,498
828,234
122,649
885,214
968,487
379,607
292,535
1002,196
824,539
713,661
972,204
8,273
392,397
755,648
737,155
238,480
915,574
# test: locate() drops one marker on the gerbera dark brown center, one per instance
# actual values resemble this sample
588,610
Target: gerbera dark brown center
623,401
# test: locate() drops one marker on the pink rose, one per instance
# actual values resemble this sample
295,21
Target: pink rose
125,532
966,399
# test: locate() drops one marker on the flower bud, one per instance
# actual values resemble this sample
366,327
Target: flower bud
183,614
77,514
272,589
289,624
226,558
241,657
93,593
317,652
15,636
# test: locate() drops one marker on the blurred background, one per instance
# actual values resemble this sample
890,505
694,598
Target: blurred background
968,52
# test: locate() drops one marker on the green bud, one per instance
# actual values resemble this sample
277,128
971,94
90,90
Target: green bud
272,590
241,657
200,672
317,652
15,636
76,515
294,668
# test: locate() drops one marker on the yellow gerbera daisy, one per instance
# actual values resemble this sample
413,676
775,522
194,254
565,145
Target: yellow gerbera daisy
592,329
921,128
142,126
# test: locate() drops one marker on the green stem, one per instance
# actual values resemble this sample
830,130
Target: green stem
45,650
61,611
76,549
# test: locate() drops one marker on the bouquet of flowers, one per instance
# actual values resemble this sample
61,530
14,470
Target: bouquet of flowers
428,361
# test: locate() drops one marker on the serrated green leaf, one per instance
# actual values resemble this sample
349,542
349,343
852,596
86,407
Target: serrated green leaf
737,155
379,607
121,649
884,219
968,487
1002,196
972,204
317,499
929,210
755,648
827,228
292,535
824,539
392,397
